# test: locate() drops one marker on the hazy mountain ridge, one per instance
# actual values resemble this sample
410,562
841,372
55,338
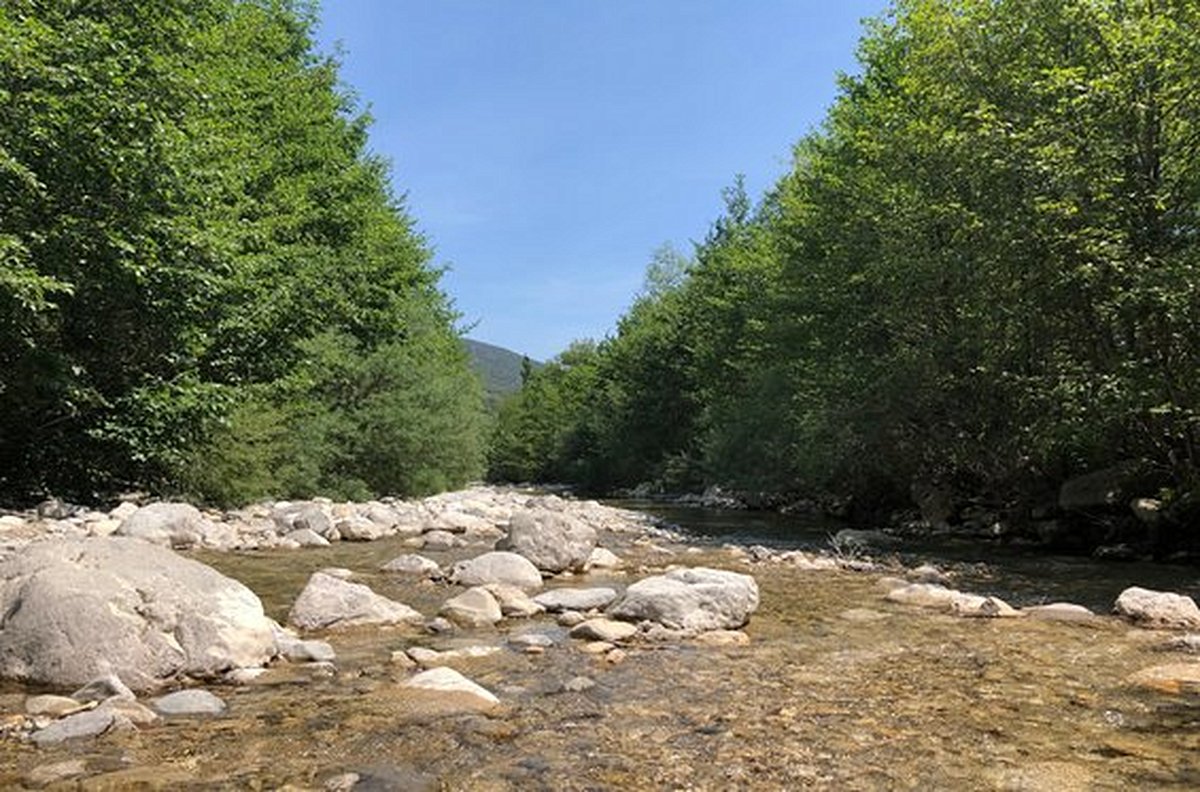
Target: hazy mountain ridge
500,368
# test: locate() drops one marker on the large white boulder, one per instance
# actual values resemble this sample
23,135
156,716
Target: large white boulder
173,524
553,540
697,599
498,567
73,610
1158,609
329,602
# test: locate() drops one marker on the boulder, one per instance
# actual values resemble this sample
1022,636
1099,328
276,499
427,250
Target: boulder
73,610
514,603
1099,489
1059,611
1148,608
475,607
360,529
603,558
189,702
413,565
92,723
562,599
290,517
440,540
697,599
307,537
329,602
554,541
173,524
498,567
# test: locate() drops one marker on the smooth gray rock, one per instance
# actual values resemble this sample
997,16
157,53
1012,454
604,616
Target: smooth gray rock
189,702
1059,611
440,540
84,724
104,688
328,602
561,599
290,517
173,524
307,537
498,567
697,599
360,529
1149,608
514,603
553,541
73,610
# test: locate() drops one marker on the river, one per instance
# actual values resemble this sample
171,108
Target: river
836,690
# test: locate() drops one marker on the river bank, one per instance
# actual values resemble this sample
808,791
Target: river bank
852,672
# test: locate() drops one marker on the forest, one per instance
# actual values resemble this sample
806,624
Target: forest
208,285
979,275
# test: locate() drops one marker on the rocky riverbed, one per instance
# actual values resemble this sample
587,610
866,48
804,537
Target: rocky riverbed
494,639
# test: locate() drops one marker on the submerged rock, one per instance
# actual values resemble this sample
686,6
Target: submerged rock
1148,608
447,680
329,602
189,702
562,599
73,610
697,599
604,630
412,565
475,607
92,723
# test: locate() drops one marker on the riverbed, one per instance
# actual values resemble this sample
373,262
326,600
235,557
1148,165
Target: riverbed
837,689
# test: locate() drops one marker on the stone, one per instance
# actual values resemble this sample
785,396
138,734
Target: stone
928,573
1148,511
553,541
306,537
123,511
858,540
290,517
359,529
531,639
561,599
475,607
82,725
132,712
570,618
597,647
696,599
604,630
723,638
429,658
1098,489
975,606
310,651
75,609
578,684
923,595
498,567
174,524
45,775
1059,611
603,558
105,688
189,702
514,603
328,602
1148,608
413,565
55,706
447,680
440,540
1172,678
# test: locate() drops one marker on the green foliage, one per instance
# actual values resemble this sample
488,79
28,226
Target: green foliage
194,242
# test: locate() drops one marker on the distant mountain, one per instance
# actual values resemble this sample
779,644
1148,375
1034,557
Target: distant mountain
500,368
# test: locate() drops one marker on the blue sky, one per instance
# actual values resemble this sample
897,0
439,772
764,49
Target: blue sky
548,147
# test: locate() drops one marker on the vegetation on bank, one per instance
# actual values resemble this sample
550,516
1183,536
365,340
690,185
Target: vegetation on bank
980,273
207,284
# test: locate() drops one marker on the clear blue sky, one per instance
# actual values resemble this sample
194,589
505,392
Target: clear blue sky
547,147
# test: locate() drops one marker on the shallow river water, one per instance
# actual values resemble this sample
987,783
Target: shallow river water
837,690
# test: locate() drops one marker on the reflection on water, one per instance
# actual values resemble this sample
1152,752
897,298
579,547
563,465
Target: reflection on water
838,690
1021,575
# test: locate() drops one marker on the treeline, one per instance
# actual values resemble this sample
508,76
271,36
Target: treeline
207,285
981,272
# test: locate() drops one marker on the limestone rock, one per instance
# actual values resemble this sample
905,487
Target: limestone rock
173,524
189,702
290,517
604,630
1059,611
475,607
603,558
553,541
514,603
696,599
561,599
440,540
413,565
447,680
1148,608
307,537
76,609
498,567
328,602
84,724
